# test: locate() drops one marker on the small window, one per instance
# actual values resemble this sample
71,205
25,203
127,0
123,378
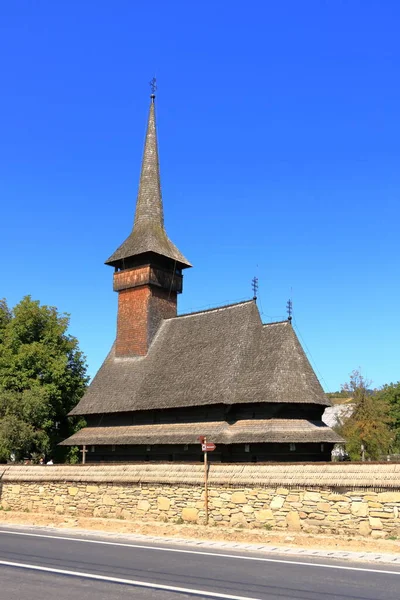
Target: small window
247,447
322,447
148,448
186,447
113,448
292,447
92,448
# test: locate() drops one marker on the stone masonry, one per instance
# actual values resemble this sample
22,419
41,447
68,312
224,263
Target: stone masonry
325,510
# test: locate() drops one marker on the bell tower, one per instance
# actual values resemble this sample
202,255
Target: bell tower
148,266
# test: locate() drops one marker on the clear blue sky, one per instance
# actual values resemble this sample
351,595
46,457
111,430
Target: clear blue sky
279,133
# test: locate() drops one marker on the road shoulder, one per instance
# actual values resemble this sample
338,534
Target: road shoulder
236,540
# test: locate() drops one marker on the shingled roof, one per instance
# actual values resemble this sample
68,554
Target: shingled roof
224,355
242,432
148,233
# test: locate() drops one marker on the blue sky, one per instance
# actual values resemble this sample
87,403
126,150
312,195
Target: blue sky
279,134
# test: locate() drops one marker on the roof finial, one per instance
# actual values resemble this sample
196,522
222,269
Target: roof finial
153,87
254,285
289,308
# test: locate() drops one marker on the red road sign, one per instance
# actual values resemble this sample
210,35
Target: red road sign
209,447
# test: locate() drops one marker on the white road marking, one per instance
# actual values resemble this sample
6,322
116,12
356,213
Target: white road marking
132,582
198,552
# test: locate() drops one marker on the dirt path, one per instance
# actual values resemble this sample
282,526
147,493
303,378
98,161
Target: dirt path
355,544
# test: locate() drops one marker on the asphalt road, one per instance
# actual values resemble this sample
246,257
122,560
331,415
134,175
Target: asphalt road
44,566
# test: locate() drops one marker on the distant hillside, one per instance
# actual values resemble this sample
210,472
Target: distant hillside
343,397
339,397
341,394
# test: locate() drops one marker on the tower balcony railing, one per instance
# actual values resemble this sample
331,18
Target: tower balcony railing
148,275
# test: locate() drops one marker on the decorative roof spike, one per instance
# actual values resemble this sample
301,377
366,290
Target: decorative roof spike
148,233
153,87
254,286
289,308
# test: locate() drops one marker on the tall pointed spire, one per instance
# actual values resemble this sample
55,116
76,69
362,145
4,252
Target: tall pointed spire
148,233
149,207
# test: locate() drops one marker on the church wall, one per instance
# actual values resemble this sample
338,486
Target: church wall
132,322
329,499
140,312
213,412
162,305
232,453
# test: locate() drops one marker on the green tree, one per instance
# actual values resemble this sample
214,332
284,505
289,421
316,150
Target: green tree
390,393
42,377
5,317
367,431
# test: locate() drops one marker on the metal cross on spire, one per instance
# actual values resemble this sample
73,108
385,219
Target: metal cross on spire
289,308
254,285
153,87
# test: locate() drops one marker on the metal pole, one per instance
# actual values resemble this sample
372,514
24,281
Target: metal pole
83,454
206,483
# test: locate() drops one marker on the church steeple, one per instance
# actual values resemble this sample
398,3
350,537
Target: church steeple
148,266
148,233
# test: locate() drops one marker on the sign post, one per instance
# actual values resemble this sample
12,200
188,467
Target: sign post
206,447
205,478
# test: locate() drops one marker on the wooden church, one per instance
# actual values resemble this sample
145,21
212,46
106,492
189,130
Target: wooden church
220,373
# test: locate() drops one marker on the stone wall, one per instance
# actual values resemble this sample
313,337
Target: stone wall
328,509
